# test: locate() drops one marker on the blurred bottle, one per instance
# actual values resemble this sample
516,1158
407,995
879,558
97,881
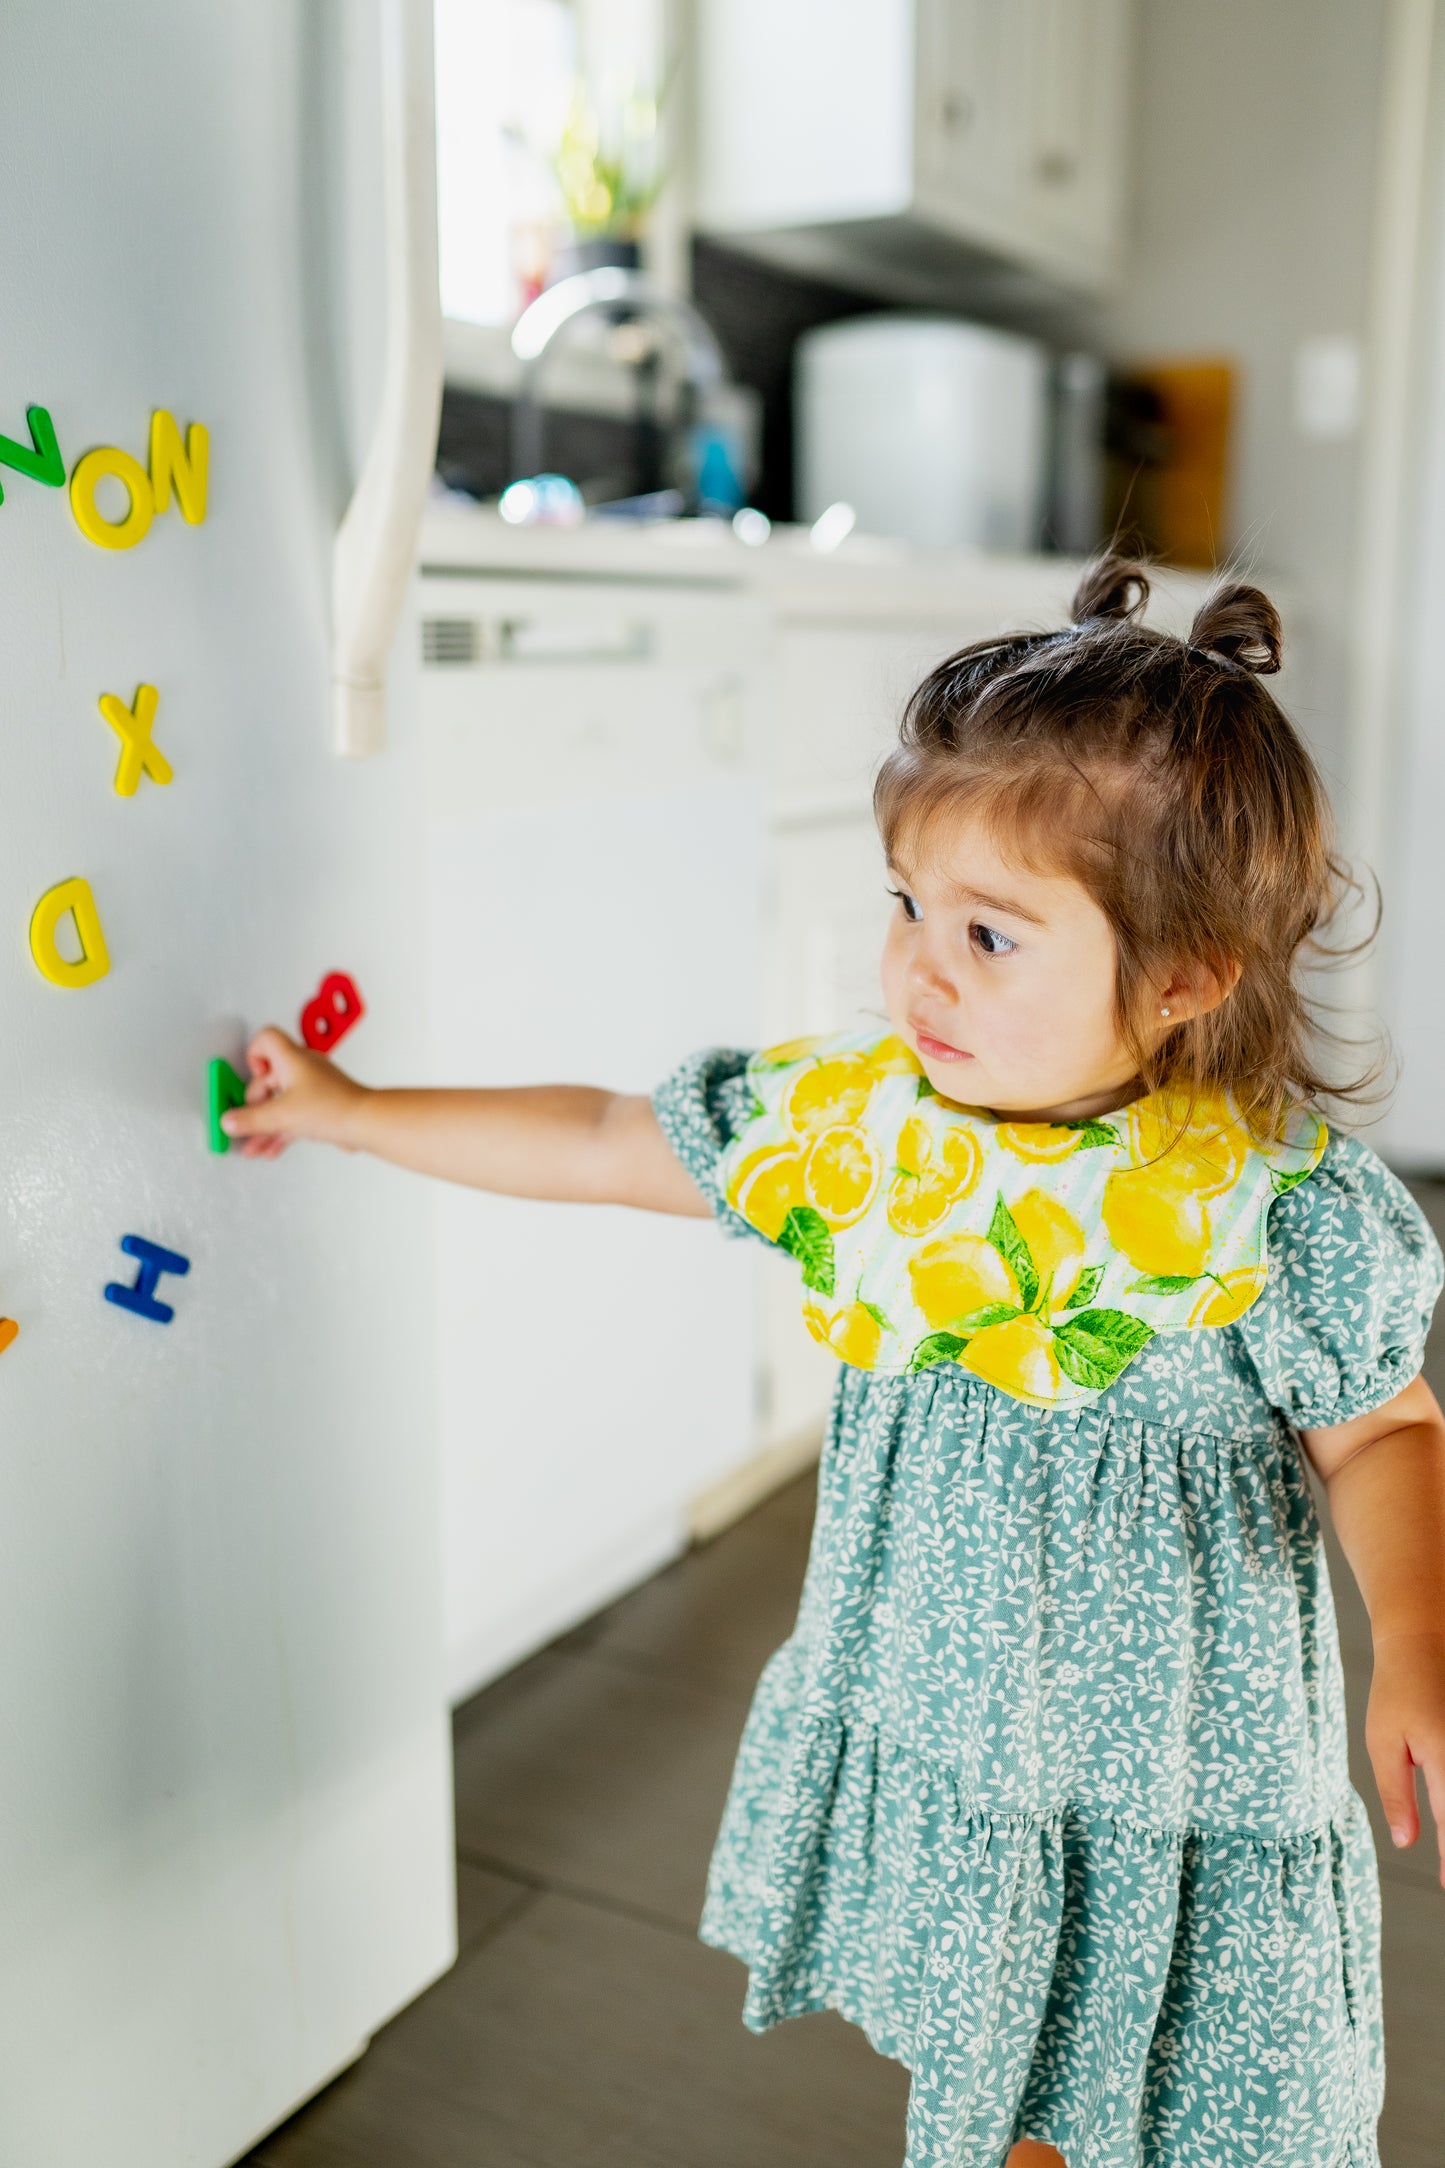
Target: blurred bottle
1075,521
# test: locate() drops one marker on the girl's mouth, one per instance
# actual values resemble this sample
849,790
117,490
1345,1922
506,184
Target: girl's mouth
937,1049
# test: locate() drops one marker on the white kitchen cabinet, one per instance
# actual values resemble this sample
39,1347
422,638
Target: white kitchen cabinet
595,873
895,142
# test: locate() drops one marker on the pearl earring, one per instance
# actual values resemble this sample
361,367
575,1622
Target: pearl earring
1163,1012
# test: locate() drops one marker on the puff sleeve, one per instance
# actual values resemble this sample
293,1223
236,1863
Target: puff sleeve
1354,1272
700,1107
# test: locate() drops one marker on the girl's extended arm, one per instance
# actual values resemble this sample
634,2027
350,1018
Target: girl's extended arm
1385,1475
537,1140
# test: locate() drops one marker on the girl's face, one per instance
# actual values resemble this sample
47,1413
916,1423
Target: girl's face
1002,980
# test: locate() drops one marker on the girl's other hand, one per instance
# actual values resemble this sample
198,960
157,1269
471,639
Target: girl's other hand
292,1094
1405,1731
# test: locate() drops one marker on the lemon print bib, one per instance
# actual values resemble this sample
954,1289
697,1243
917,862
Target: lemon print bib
1041,1256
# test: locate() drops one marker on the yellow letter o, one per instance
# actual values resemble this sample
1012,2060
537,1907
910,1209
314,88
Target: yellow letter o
112,534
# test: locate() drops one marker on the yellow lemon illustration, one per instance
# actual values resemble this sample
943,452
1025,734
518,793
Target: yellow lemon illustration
1038,1141
1228,1297
766,1187
1160,1227
841,1172
777,1057
853,1333
915,1145
957,1275
890,1057
1018,1357
1055,1240
1208,1156
958,1160
916,1207
934,1172
830,1092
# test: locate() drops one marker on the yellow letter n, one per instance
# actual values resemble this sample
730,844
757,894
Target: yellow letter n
185,466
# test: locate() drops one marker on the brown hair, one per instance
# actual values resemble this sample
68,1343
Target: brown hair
1162,775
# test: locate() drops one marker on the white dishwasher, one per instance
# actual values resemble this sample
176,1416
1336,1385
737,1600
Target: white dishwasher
595,854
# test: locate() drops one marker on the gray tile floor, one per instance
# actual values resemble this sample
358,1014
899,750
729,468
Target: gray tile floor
584,2026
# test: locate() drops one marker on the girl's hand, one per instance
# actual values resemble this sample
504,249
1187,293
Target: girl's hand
1405,1731
292,1094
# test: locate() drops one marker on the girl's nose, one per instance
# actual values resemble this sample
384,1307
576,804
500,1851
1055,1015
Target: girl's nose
928,973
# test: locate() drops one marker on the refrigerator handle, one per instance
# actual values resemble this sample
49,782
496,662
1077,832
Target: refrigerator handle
376,540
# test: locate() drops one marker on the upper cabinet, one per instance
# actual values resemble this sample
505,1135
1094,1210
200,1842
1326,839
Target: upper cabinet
902,142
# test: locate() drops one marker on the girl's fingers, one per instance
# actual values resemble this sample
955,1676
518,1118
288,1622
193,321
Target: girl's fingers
1395,1779
1433,1764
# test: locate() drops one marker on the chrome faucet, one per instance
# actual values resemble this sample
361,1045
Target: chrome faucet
612,288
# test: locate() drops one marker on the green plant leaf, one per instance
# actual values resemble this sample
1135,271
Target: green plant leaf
1092,1134
939,1347
1093,1346
1003,1233
1085,1287
1165,1283
806,1236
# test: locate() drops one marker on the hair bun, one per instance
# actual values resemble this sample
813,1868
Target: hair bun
1242,625
1112,587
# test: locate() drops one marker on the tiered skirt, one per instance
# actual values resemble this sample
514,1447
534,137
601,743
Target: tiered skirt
1122,1932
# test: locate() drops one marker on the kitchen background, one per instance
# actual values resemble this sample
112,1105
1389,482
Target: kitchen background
783,346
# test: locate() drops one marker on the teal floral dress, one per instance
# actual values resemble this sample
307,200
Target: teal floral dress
1047,1790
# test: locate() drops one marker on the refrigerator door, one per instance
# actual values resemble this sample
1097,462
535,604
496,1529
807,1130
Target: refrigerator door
225,1839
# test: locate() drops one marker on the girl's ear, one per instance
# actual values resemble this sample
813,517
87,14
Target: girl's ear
1196,989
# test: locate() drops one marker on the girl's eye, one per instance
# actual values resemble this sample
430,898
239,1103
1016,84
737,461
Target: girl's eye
910,909
992,942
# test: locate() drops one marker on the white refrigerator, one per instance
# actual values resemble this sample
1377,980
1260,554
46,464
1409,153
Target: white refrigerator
225,1800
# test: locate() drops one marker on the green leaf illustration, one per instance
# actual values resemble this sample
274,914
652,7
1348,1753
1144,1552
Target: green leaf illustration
878,1316
1165,1283
992,1313
1003,1233
939,1347
1095,1345
1085,1287
753,1109
925,1089
805,1235
1092,1134
1279,1183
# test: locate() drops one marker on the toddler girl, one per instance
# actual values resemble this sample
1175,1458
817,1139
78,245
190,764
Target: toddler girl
1048,1789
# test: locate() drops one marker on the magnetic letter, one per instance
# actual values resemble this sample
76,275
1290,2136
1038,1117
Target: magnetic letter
331,1012
141,1295
73,896
224,1089
187,469
90,471
138,754
43,463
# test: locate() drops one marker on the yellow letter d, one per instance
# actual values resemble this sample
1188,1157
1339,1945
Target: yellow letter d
73,896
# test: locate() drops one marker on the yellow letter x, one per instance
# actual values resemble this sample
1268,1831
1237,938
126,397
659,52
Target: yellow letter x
138,754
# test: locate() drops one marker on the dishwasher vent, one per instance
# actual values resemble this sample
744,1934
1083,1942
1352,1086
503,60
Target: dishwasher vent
446,640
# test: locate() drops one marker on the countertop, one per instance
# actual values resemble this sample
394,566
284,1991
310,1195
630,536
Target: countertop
866,579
